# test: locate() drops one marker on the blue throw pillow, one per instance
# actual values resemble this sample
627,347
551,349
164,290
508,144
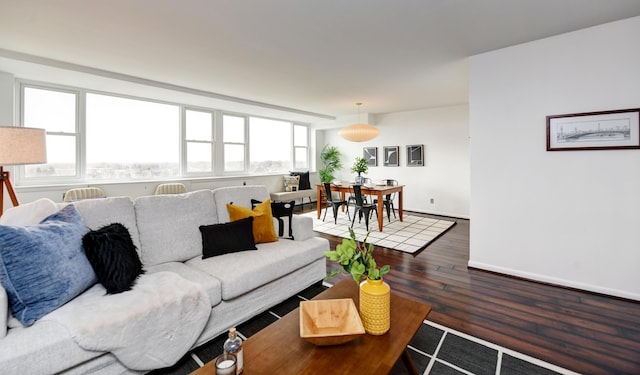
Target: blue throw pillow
44,266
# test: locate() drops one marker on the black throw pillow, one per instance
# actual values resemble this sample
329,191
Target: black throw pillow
113,257
305,184
225,238
278,211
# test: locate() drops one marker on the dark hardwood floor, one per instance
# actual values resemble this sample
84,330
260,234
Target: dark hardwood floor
584,332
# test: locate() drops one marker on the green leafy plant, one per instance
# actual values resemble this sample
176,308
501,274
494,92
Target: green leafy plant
356,259
360,166
330,158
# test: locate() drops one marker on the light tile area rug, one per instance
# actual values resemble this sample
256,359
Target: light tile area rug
410,235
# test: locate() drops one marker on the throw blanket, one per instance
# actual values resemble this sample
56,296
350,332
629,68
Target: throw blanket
149,327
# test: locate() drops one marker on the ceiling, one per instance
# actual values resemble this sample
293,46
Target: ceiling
318,56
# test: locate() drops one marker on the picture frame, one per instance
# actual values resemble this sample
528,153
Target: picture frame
371,156
606,130
415,155
391,156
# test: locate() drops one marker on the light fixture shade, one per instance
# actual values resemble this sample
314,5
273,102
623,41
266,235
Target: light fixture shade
20,145
359,132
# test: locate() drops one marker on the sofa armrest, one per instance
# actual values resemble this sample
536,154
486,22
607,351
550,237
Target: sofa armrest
4,312
302,227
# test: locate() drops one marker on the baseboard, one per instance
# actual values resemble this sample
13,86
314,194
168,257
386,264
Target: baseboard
453,215
554,281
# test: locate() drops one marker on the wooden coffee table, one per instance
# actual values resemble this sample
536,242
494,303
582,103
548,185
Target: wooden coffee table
278,348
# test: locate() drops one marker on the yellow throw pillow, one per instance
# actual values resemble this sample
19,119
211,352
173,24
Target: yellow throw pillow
263,230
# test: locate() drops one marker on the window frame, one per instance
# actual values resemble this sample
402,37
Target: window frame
21,178
244,143
294,147
184,160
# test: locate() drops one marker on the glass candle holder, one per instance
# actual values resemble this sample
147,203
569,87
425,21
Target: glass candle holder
226,364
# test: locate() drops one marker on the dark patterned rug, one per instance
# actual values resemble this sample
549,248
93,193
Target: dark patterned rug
434,349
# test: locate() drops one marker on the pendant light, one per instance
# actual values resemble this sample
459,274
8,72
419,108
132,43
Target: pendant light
359,132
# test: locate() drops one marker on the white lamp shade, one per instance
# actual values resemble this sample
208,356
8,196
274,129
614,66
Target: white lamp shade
359,132
20,145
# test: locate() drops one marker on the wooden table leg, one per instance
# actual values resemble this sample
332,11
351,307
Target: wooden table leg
409,363
319,203
380,211
400,203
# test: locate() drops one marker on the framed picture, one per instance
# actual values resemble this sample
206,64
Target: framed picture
606,130
415,155
391,157
370,154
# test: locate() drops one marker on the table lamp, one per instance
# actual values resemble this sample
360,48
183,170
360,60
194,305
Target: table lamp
19,146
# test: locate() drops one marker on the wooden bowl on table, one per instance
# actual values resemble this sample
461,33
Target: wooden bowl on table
330,322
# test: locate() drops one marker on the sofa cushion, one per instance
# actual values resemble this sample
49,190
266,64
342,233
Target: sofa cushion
210,284
113,257
220,239
44,266
242,272
263,230
239,197
46,347
169,225
96,213
29,213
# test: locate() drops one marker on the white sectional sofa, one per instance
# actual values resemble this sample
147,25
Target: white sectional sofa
180,302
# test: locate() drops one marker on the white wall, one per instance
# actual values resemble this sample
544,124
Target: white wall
444,132
570,217
6,99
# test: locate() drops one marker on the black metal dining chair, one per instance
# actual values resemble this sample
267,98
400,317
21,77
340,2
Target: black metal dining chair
362,208
334,203
388,201
351,200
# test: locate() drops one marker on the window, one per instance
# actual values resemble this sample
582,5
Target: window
269,145
55,111
95,136
300,147
199,141
233,135
131,139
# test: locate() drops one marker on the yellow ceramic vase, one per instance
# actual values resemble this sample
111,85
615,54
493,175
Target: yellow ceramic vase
375,305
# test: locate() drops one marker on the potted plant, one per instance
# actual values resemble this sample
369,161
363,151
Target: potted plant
330,158
357,260
360,166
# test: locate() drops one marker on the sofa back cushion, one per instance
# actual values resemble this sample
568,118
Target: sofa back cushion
97,213
239,196
29,213
169,225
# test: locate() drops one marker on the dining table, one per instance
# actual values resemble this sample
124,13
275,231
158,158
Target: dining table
379,191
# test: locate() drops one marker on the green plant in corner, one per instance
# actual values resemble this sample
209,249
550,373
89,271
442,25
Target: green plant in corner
360,166
356,259
330,158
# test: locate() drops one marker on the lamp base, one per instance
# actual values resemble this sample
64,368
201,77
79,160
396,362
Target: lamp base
5,180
